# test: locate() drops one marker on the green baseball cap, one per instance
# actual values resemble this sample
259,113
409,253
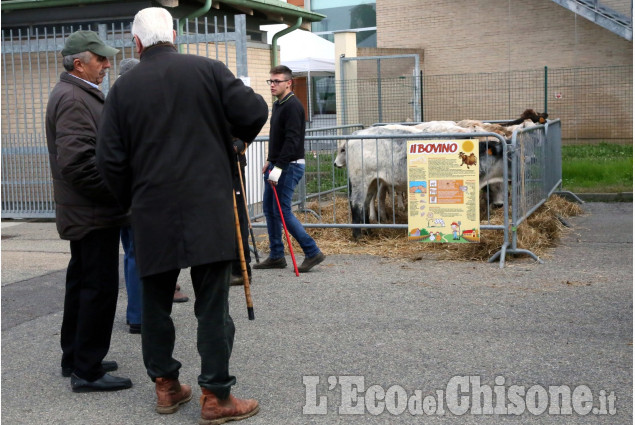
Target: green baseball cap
81,41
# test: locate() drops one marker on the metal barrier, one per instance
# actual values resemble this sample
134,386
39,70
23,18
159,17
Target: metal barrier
27,188
533,172
341,190
534,175
31,64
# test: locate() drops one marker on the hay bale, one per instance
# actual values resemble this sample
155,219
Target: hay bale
540,232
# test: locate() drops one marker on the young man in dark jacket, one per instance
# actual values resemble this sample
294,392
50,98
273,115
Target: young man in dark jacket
165,149
86,214
284,169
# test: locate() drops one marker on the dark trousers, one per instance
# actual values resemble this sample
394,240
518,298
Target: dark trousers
92,286
244,225
215,334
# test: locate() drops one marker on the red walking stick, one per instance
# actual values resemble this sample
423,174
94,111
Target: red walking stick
295,266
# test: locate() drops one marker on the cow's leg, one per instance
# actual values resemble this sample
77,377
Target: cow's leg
371,194
381,201
372,212
400,203
357,207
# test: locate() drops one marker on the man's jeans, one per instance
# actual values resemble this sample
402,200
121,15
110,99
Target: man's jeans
131,274
286,185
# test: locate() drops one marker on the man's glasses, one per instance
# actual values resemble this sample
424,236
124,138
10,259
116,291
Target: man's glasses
276,82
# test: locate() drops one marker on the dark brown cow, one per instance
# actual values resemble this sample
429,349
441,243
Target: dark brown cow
529,114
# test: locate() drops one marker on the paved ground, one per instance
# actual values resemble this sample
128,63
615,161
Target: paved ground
418,325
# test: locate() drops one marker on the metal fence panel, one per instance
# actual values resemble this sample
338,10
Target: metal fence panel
379,88
532,172
553,169
595,103
27,188
530,177
31,65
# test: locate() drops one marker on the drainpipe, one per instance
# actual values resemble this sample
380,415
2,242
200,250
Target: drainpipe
197,13
276,36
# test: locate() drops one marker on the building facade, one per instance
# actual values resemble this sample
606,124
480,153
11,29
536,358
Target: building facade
499,35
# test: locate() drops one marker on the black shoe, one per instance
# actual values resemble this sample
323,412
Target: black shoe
105,383
135,328
269,263
309,263
108,366
237,280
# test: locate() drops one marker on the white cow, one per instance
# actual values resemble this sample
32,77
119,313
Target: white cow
374,167
377,165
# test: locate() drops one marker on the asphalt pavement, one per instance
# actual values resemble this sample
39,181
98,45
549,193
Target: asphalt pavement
362,339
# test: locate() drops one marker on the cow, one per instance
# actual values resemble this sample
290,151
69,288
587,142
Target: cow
373,164
529,114
383,165
491,172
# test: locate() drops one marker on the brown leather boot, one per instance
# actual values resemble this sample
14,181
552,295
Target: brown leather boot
216,411
171,394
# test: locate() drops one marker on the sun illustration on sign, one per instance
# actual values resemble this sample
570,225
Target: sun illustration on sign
467,146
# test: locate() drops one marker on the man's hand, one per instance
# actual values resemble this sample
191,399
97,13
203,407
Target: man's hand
265,167
274,175
239,146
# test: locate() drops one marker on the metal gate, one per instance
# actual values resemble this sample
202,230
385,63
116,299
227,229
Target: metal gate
31,65
379,89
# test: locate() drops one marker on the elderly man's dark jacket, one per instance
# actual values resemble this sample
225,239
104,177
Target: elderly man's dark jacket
165,149
82,200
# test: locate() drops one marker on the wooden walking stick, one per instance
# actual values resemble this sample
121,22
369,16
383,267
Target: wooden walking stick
286,232
243,265
251,230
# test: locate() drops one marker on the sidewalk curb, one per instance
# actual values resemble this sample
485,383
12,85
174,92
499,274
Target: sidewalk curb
606,197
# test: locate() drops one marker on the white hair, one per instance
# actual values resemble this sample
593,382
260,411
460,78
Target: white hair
153,25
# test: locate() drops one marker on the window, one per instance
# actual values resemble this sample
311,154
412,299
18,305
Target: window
347,15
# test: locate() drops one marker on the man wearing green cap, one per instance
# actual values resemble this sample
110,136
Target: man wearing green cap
86,214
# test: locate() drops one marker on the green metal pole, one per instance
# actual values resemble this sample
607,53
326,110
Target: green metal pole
546,89
421,95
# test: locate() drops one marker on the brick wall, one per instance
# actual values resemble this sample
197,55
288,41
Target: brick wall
480,58
497,35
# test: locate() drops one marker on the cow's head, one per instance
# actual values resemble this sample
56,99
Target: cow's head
340,158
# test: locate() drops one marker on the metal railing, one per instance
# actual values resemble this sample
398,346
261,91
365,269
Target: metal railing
535,174
27,187
596,102
31,65
531,175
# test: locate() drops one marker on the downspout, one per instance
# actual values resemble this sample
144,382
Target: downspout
276,36
197,13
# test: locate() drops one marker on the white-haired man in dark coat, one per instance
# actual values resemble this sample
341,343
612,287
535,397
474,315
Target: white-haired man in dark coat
165,149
